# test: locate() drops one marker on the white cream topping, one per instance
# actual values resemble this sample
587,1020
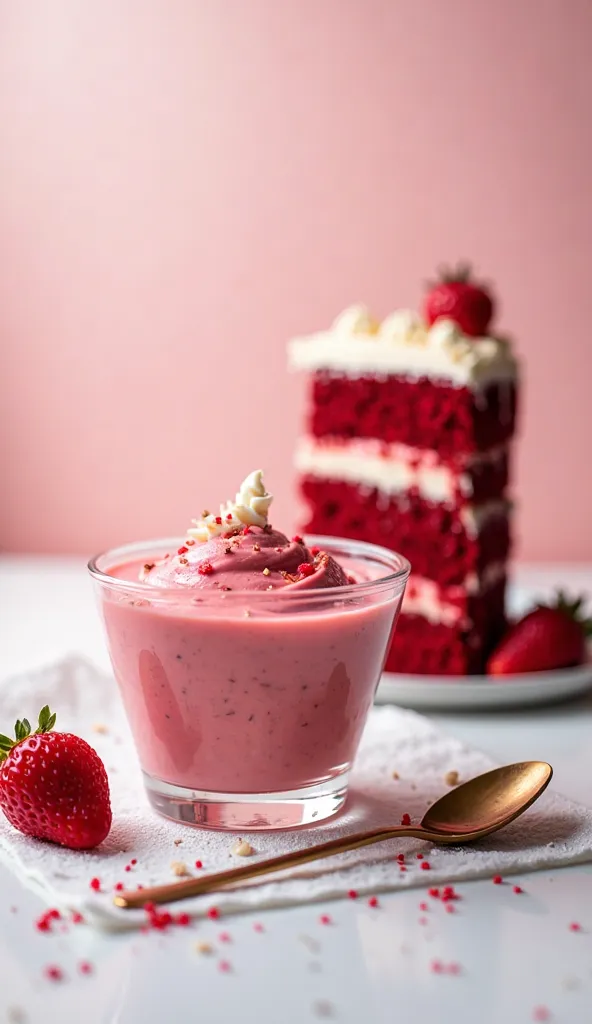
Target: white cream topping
392,468
447,605
403,345
250,508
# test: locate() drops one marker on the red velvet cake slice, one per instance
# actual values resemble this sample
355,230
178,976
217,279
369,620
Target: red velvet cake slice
406,446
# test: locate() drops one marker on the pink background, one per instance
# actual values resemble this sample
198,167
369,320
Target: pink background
187,183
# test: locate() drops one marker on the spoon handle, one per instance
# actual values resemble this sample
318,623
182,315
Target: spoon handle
211,883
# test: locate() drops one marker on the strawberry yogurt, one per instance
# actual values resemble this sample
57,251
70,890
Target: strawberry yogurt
247,662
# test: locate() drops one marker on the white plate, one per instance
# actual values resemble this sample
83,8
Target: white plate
445,693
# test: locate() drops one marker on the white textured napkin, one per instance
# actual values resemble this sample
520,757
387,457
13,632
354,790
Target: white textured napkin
553,833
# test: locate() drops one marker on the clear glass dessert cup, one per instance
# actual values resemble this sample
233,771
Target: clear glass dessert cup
247,708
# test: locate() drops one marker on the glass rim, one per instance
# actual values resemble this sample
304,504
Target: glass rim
397,577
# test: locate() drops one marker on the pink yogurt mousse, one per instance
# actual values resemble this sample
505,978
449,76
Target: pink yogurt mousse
233,688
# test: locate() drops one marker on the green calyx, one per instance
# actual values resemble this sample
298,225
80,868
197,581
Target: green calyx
451,275
573,608
22,729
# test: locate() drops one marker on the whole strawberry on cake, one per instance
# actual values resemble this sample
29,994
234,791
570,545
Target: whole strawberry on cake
407,445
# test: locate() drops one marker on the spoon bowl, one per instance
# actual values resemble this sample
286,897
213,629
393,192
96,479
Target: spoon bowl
482,805
471,811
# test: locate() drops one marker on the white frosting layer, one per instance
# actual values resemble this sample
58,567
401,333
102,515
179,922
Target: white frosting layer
403,345
445,604
393,468
250,508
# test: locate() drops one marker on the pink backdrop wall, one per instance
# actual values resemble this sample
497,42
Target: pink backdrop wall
186,183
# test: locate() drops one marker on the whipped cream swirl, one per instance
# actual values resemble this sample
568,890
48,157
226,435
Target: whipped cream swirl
250,508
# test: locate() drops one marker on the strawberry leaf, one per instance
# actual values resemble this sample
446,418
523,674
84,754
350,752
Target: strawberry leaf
46,720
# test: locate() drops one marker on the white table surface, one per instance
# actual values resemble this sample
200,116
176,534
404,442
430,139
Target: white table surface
516,952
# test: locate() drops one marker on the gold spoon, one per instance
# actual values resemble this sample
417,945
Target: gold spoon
473,810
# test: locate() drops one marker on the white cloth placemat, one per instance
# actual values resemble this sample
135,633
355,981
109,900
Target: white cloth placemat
554,832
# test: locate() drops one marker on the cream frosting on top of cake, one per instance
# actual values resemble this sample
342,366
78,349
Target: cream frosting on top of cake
404,345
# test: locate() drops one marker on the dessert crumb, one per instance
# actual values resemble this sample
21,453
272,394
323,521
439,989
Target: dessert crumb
311,944
177,842
242,848
179,868
451,778
396,776
266,571
16,1015
205,948
323,1008
247,613
100,728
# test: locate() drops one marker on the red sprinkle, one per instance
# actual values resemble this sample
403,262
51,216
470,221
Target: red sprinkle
373,901
258,927
133,861
77,917
425,865
183,919
182,550
95,884
353,894
229,517
225,937
423,920
325,919
423,906
224,966
306,569
434,892
119,887
517,889
575,927
198,864
450,909
247,529
541,1013
406,819
149,908
218,520
420,856
85,967
454,968
448,892
213,913
128,867
401,858
205,569
53,972
43,924
315,551
402,867
436,967
497,879
296,539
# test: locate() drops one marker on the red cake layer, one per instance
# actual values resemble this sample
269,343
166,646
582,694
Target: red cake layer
420,413
433,648
433,537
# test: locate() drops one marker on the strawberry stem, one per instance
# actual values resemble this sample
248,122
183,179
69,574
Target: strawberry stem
22,729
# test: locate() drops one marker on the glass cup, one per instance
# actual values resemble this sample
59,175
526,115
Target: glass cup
247,708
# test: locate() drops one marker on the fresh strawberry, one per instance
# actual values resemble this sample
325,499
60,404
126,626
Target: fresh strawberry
549,637
456,297
54,786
